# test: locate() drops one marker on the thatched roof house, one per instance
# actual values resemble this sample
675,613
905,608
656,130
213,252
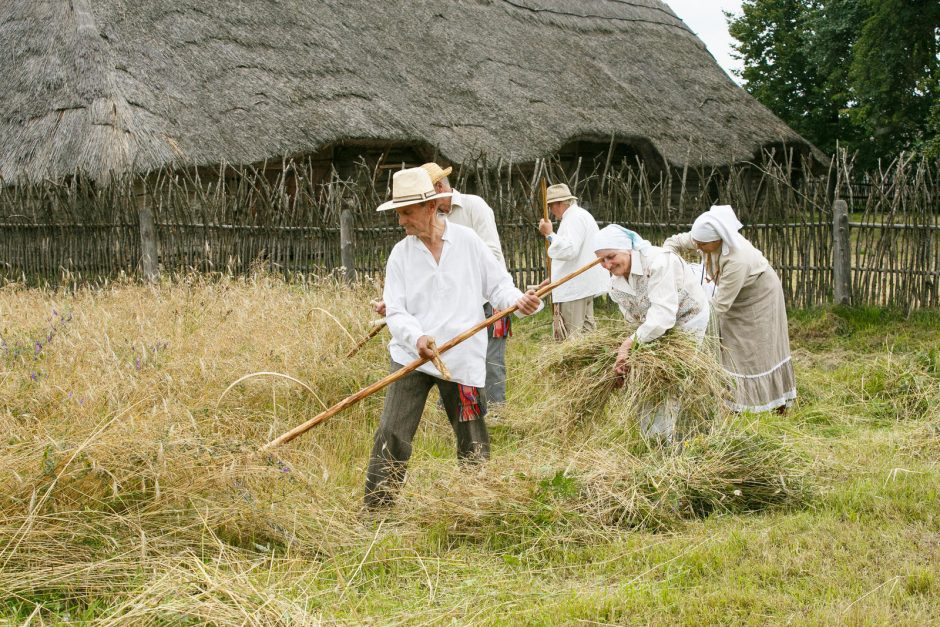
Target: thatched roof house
116,85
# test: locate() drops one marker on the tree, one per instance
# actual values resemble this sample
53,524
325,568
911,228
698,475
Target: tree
779,68
863,73
895,71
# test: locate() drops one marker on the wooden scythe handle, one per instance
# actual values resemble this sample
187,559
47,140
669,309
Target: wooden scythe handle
398,374
372,333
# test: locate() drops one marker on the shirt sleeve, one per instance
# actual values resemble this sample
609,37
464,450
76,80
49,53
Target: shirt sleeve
498,287
679,243
484,223
567,242
730,281
401,324
664,299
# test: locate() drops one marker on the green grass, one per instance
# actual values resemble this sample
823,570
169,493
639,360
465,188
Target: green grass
281,538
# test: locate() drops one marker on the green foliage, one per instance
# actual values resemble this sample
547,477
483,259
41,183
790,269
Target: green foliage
861,74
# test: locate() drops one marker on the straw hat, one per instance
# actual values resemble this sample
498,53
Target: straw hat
436,172
558,193
411,187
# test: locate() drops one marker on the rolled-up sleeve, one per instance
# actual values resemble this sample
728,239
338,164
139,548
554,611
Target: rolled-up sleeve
664,299
401,324
498,286
566,244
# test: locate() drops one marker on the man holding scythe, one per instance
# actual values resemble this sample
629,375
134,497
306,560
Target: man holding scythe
436,281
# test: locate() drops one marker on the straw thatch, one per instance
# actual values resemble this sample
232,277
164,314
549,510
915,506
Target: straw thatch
114,85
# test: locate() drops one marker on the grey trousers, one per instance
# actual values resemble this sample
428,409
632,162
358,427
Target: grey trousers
578,317
495,363
391,449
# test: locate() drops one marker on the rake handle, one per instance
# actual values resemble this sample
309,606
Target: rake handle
398,374
372,333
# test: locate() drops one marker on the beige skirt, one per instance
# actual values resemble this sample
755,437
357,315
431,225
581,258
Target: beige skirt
755,346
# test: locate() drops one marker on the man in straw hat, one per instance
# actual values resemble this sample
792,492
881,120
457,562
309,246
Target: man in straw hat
570,249
436,281
474,212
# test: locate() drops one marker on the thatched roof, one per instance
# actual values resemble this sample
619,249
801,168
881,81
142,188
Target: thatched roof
101,85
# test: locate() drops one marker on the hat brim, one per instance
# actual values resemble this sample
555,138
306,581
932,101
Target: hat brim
562,199
391,204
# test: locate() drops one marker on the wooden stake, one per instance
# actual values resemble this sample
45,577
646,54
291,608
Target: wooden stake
398,374
548,260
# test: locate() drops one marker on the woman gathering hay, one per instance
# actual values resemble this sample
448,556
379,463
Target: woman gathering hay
655,289
674,369
661,365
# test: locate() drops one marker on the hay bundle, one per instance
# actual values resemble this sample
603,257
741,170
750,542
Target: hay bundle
674,367
723,471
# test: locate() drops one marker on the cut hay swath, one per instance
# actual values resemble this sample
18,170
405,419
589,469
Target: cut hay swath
671,367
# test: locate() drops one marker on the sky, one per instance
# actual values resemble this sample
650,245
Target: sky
706,19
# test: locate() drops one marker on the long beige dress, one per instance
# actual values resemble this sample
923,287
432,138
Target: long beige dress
752,324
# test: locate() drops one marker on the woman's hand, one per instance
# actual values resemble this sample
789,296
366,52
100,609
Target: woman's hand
622,365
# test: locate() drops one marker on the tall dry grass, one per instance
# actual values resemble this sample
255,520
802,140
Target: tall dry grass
129,486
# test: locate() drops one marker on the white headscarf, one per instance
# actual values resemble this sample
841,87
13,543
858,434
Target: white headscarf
616,237
718,223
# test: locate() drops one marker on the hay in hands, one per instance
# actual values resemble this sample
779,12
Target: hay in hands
673,367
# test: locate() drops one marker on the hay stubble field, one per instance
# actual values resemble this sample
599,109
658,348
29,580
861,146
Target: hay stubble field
132,496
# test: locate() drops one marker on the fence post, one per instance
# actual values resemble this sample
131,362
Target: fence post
148,242
841,254
346,243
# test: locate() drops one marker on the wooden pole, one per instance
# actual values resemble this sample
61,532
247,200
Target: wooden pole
841,254
548,260
347,245
372,333
398,374
148,241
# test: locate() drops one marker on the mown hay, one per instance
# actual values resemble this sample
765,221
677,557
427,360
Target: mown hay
674,366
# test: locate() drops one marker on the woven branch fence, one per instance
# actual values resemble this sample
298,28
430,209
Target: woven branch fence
234,220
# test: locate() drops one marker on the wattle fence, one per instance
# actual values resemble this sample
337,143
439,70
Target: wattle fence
881,246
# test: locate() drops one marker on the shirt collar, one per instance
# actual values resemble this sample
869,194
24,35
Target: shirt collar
636,266
456,199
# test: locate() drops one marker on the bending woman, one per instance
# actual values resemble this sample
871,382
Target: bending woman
657,290
752,315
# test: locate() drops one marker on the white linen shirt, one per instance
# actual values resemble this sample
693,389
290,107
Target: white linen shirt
443,299
474,212
666,288
570,250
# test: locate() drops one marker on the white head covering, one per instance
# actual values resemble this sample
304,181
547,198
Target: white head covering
616,237
718,223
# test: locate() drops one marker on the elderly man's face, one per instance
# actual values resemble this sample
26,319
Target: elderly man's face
558,208
417,219
617,262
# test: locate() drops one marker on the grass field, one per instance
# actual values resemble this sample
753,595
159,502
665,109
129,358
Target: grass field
130,495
